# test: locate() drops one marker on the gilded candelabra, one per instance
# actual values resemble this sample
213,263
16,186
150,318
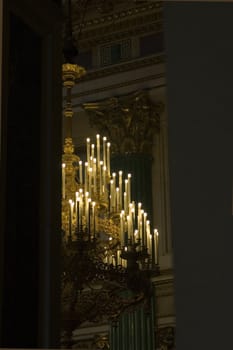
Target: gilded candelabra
109,249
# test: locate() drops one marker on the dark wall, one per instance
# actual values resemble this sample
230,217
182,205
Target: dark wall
30,175
22,184
199,45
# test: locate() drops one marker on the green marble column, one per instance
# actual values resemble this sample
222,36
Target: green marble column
140,167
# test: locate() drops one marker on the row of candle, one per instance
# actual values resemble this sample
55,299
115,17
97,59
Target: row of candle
82,214
134,229
152,249
97,167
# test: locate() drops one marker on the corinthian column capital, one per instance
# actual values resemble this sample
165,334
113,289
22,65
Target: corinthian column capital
129,121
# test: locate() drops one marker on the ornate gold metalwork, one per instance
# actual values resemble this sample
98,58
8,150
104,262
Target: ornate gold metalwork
71,72
129,121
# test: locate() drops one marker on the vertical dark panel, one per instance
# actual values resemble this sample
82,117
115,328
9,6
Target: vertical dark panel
198,39
30,175
22,186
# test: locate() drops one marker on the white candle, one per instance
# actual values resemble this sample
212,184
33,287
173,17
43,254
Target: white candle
111,195
126,197
108,158
117,199
125,202
135,235
94,174
148,235
86,177
129,188
145,242
139,215
92,151
129,226
75,205
89,180
104,178
156,237
119,257
120,189
80,172
122,216
88,151
63,180
100,179
104,150
98,151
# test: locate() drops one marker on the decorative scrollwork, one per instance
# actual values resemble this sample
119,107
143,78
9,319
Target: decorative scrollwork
129,121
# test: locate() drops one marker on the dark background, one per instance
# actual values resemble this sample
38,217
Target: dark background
199,47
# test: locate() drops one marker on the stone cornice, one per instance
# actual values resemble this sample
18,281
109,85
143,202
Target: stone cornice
120,85
118,16
124,67
129,27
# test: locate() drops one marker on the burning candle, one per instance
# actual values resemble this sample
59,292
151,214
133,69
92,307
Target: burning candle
86,177
94,174
122,215
117,199
63,180
129,188
108,158
89,180
156,234
98,150
80,172
125,202
148,235
104,178
120,189
111,194
145,242
100,178
88,151
104,150
92,152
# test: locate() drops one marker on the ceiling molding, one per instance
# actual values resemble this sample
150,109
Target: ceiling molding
124,67
115,16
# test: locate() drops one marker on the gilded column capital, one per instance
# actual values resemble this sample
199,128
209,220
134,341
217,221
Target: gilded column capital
129,121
